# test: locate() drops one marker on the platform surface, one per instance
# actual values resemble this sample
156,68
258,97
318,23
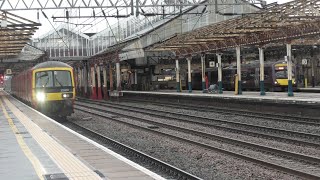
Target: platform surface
277,97
33,146
310,89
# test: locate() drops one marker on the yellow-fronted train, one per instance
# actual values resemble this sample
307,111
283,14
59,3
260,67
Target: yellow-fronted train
275,76
47,87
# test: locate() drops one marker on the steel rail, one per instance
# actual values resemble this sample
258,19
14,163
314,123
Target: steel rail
182,118
232,111
128,151
238,155
299,156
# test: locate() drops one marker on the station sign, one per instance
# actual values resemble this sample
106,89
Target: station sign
211,64
8,72
304,61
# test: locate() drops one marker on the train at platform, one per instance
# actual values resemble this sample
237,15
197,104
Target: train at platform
275,77
48,87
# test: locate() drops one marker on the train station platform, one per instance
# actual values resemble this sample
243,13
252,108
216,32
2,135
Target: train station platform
33,146
310,89
278,97
301,103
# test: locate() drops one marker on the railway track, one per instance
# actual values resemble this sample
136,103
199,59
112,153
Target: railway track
306,139
133,154
297,162
232,111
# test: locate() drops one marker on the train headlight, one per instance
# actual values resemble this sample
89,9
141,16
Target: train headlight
275,82
41,96
66,95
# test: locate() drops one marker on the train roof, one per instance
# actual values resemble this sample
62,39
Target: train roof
50,64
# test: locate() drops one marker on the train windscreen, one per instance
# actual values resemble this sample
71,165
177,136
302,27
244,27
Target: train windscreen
281,72
53,79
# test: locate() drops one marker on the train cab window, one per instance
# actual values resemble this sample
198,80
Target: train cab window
53,79
44,79
62,78
282,73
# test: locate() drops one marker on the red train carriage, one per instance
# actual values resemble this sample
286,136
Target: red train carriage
48,87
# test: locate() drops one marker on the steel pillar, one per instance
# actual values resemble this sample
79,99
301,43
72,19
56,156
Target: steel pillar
203,72
111,77
93,84
85,80
189,74
261,58
239,70
289,70
118,74
219,73
105,83
178,75
99,83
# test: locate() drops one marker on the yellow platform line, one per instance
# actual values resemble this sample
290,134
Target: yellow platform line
72,167
24,147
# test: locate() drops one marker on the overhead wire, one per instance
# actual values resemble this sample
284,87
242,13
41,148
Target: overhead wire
105,17
55,29
203,11
133,20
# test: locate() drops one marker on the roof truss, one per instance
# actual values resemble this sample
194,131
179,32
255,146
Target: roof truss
15,33
282,23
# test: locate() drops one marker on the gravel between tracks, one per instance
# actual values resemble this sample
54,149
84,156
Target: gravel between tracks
266,142
236,118
198,161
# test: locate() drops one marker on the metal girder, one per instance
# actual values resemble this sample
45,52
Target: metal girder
15,33
9,53
15,37
277,24
10,5
14,41
8,37
11,46
16,30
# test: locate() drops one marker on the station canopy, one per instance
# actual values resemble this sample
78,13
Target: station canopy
283,23
15,33
110,54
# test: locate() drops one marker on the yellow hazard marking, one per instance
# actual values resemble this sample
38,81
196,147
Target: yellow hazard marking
24,147
236,84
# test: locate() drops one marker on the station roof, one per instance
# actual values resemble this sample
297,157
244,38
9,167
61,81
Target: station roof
110,54
15,32
280,23
28,53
